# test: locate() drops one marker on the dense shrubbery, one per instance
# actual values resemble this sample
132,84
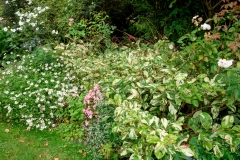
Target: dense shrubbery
168,102
49,22
154,19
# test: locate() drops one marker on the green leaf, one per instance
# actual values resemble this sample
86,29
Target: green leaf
232,29
164,122
118,98
195,103
171,4
228,138
159,150
154,102
170,95
227,121
176,126
208,144
217,151
187,151
232,107
132,134
180,119
194,124
215,50
152,138
145,73
215,19
172,109
238,64
134,94
206,120
215,111
182,139
116,82
236,128
123,153
196,114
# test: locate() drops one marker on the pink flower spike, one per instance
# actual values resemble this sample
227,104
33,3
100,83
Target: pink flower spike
96,87
71,19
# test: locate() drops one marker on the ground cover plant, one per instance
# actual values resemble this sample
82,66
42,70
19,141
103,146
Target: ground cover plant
36,87
140,101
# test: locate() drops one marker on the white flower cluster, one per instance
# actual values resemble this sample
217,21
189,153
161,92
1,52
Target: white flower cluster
205,26
27,18
44,95
225,63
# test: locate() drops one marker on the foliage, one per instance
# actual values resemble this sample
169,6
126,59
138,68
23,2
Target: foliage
95,31
150,92
96,117
3,43
44,22
71,119
222,42
12,6
168,102
156,19
99,139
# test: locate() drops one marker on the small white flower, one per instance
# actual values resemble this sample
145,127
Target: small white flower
54,32
171,46
225,63
39,8
195,17
13,30
205,26
52,107
51,114
5,29
20,28
33,24
20,23
6,92
18,13
29,122
35,15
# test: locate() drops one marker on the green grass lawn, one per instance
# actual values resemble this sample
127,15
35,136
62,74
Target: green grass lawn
18,144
